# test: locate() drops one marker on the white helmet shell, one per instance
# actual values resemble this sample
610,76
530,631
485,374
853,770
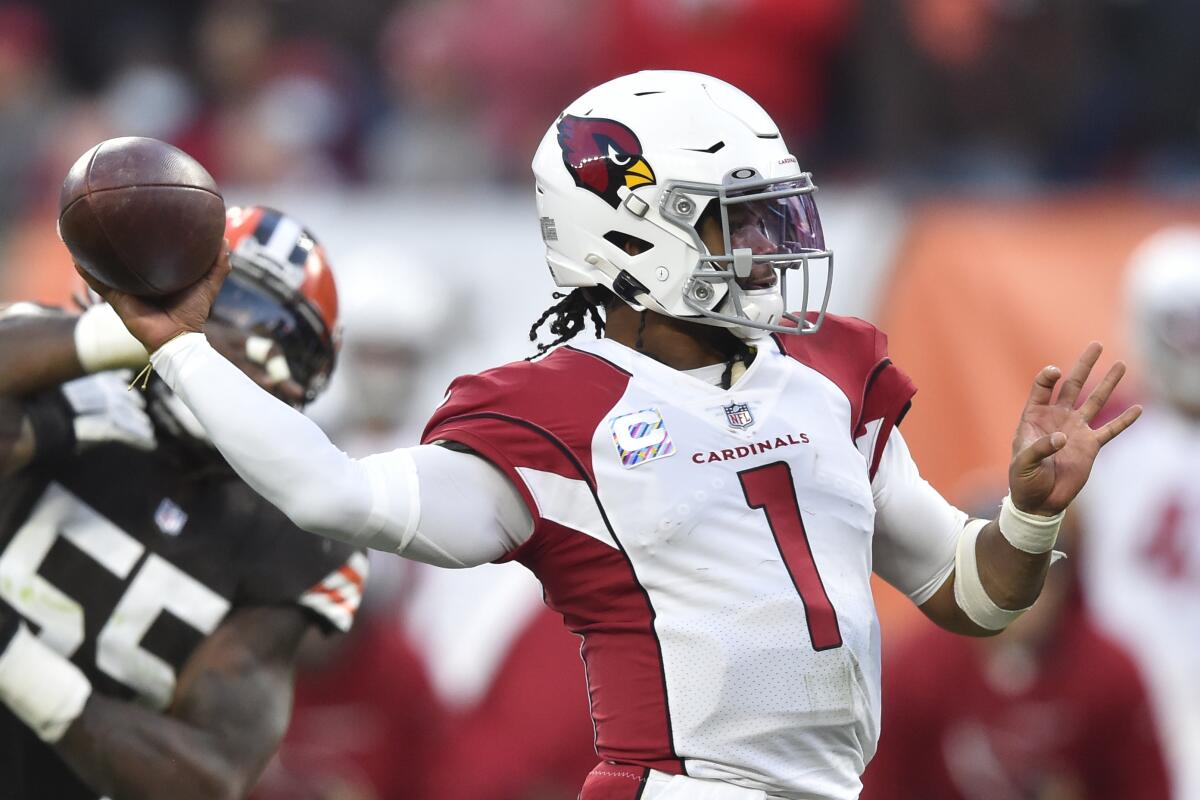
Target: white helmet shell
641,158
1163,291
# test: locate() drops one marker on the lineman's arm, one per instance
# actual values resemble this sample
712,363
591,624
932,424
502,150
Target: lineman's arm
41,348
230,711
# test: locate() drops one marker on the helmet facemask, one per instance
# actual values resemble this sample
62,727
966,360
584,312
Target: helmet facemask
786,237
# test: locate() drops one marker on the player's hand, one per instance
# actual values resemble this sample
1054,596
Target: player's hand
154,322
1055,445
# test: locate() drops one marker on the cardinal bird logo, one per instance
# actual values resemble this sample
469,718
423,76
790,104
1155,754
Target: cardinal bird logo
603,155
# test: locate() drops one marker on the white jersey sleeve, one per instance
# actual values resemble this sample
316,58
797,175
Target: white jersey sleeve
446,508
916,529
470,512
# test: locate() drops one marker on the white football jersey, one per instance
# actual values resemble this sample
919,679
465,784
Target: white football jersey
712,547
1140,515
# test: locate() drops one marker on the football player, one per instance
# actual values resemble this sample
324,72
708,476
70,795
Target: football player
150,603
1141,512
704,491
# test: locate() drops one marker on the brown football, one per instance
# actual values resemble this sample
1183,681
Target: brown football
141,216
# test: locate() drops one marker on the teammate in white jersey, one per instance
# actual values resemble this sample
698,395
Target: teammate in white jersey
705,491
1141,512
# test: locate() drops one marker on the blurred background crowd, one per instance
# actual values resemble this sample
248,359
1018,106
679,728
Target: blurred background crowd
987,169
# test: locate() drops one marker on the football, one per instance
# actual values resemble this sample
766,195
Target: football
141,216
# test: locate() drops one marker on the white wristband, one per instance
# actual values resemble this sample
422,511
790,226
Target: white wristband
102,342
1028,532
43,689
969,593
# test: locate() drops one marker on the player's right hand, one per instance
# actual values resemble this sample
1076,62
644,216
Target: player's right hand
106,411
1055,445
154,322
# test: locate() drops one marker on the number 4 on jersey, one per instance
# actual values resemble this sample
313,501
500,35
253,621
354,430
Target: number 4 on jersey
770,488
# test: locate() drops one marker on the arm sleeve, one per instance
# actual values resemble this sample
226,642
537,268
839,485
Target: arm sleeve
462,512
916,530
470,512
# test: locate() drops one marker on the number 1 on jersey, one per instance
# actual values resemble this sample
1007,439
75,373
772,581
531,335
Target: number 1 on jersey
770,488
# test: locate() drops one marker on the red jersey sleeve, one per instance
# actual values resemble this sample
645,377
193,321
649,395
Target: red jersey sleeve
532,416
853,354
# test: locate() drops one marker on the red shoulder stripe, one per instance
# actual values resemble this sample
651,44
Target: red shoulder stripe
853,354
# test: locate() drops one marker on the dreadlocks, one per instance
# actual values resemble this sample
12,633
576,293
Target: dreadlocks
570,315
573,308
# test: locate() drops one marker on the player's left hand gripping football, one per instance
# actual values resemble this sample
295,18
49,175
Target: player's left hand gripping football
1055,444
154,323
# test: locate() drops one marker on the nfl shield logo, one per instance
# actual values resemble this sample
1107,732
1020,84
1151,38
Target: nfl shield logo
738,415
169,517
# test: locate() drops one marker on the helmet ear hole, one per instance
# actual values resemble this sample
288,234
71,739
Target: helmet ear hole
628,242
711,212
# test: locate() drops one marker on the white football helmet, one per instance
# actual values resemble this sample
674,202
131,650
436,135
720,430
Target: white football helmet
640,159
1163,292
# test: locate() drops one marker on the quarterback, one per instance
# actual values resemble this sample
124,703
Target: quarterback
704,491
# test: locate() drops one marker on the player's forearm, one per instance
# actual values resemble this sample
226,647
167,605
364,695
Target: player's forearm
1012,578
999,569
41,350
230,710
219,737
37,352
128,752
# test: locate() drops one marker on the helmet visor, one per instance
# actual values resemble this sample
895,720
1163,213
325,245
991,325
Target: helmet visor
779,218
254,310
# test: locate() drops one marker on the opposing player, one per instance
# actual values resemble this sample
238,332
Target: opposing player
1141,513
703,492
150,603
